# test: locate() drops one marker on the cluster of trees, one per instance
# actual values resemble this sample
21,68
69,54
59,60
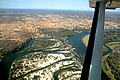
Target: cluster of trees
62,33
17,48
111,36
59,32
21,67
40,44
113,61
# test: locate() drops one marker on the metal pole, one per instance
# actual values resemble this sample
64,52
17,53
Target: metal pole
93,58
89,51
96,63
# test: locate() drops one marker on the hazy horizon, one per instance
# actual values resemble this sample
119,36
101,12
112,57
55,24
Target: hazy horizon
48,5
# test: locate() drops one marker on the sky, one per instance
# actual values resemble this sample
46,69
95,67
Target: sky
47,4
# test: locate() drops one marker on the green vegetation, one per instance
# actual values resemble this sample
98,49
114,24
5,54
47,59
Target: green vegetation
113,45
63,33
106,69
111,62
36,77
59,72
105,50
40,45
22,67
18,65
17,48
60,32
111,36
111,66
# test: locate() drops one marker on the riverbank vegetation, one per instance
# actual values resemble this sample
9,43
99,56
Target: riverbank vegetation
113,45
111,61
59,32
41,45
111,36
111,66
15,49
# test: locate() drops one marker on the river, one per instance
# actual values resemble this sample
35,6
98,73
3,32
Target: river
76,42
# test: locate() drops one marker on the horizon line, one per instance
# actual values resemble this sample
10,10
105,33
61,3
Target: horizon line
48,9
91,10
